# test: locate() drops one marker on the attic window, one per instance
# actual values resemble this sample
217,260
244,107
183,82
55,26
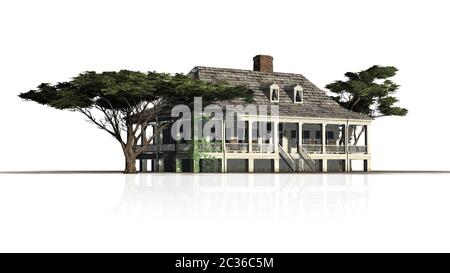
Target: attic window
298,94
274,93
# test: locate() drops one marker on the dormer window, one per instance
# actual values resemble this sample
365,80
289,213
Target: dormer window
274,93
298,94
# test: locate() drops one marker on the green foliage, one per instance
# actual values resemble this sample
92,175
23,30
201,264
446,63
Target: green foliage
122,103
125,90
369,92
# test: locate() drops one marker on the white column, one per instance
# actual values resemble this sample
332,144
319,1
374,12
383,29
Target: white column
178,165
224,158
276,161
275,136
368,162
161,165
250,165
250,136
299,136
347,161
324,165
324,137
143,165
367,138
143,162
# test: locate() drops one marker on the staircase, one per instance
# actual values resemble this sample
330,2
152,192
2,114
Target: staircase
305,159
303,164
288,158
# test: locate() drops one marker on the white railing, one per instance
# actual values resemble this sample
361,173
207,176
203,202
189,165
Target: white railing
357,149
263,148
162,148
183,147
335,149
236,147
312,148
210,147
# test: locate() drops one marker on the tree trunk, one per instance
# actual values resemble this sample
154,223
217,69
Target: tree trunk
130,166
130,162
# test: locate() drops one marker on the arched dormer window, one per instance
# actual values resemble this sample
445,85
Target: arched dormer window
298,94
274,93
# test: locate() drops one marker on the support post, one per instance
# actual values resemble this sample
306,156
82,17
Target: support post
276,161
178,168
324,165
366,127
299,136
250,136
347,160
368,162
161,165
156,139
250,165
324,138
143,165
275,136
224,157
143,162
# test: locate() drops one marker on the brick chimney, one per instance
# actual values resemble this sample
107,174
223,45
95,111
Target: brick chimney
263,63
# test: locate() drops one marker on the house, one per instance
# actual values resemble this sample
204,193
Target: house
310,132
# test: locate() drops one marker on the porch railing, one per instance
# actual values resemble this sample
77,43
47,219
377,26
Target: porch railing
212,147
162,148
263,148
357,149
236,147
312,148
335,149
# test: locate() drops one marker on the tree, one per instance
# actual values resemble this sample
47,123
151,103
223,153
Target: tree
122,103
369,92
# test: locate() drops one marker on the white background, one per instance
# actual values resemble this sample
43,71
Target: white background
50,41
225,213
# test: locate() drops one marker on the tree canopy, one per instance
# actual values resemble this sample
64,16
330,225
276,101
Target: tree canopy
370,92
123,102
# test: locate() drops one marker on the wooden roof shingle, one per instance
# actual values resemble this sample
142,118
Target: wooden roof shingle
316,103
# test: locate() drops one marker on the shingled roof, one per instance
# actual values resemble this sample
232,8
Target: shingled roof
316,103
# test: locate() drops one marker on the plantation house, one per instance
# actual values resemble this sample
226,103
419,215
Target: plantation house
309,132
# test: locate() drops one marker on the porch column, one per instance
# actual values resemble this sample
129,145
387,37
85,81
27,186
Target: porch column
156,140
299,136
250,165
276,161
347,161
224,158
250,136
367,127
324,137
178,165
160,165
367,162
143,165
324,165
143,162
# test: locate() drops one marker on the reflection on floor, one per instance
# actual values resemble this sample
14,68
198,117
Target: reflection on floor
250,196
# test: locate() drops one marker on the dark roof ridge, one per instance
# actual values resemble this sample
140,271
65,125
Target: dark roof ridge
196,68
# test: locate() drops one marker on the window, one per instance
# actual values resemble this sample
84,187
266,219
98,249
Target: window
274,93
298,94
306,134
330,135
318,134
